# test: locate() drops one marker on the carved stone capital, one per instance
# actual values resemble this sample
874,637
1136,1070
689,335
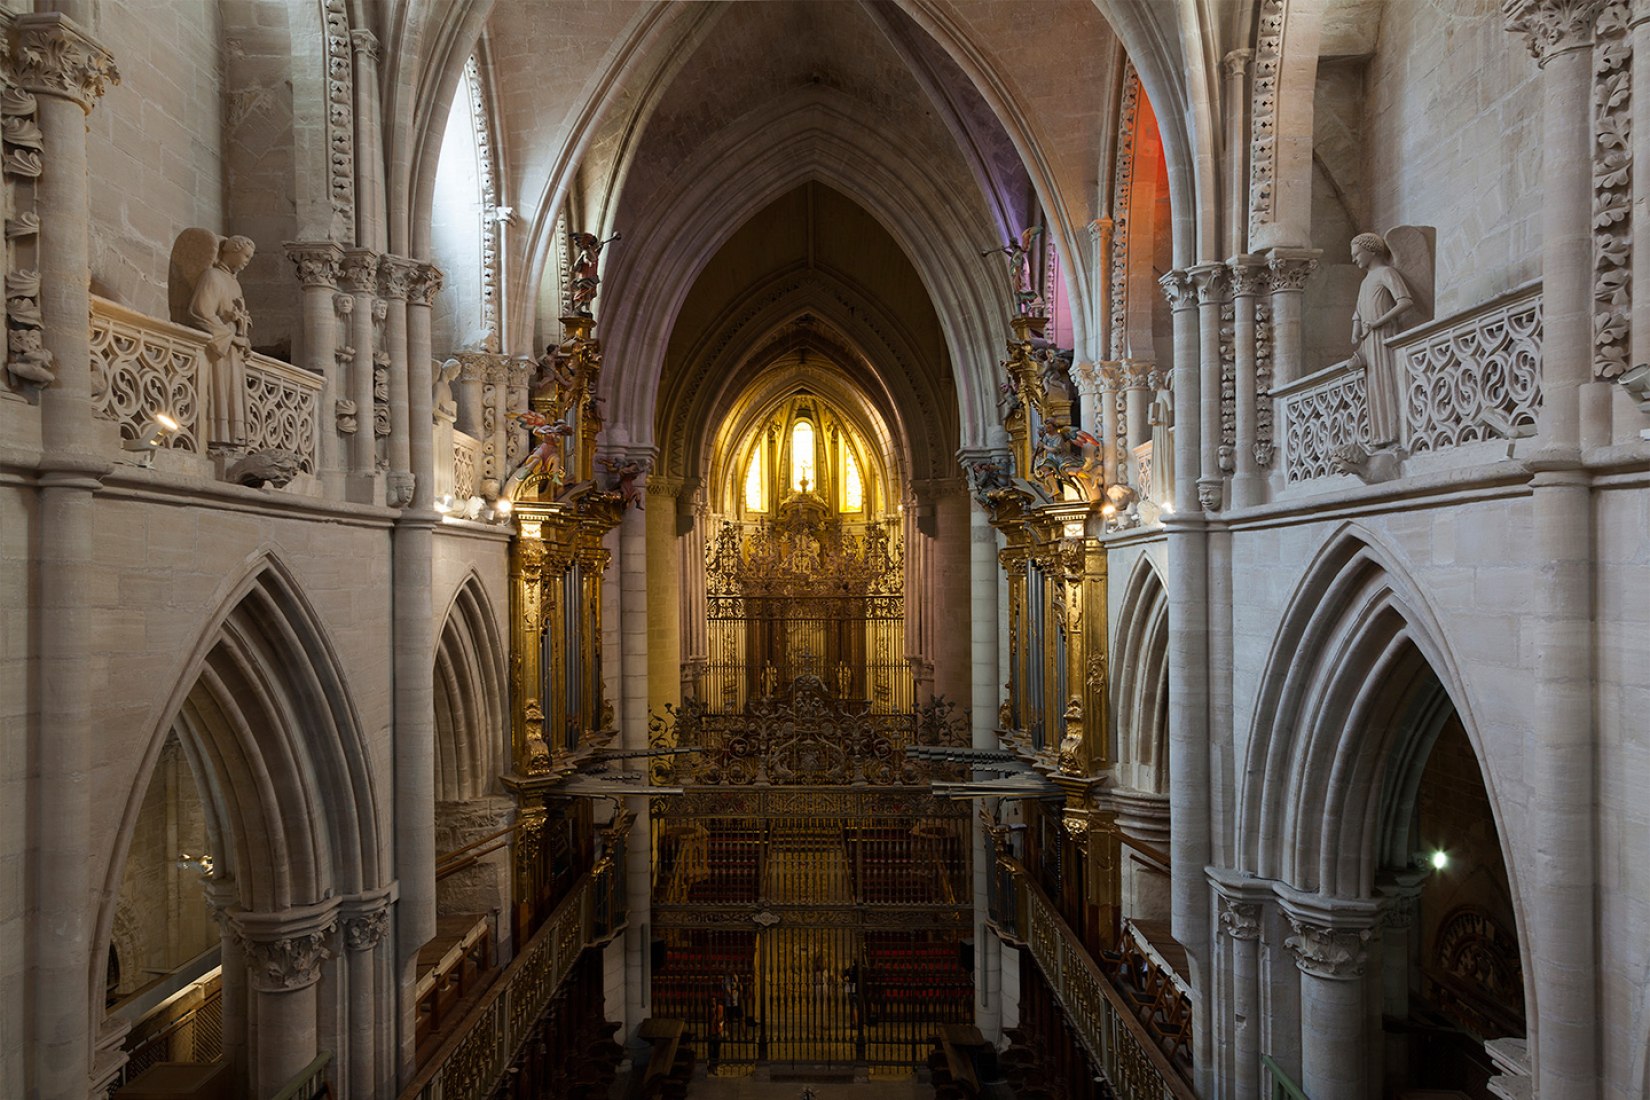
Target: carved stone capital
1240,919
1086,377
366,43
364,931
1326,952
1236,63
359,271
1177,288
426,284
1250,276
1100,231
284,951
317,263
1112,376
1141,375
1288,268
52,55
1211,282
395,276
1552,27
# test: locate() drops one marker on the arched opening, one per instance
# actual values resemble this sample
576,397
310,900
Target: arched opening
286,843
1368,802
1141,695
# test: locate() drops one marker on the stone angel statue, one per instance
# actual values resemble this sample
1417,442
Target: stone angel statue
204,292
1383,298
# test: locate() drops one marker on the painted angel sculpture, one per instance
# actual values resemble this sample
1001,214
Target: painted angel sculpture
1060,456
544,464
1021,283
587,253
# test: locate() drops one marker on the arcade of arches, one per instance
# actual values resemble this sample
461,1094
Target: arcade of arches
1053,548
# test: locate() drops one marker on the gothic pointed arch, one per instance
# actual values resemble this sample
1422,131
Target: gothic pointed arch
1358,681
470,719
1141,676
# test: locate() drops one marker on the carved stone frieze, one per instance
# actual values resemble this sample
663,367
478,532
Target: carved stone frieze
53,56
1325,952
1227,455
340,118
1263,110
1613,191
494,216
1122,191
317,263
1552,27
1264,445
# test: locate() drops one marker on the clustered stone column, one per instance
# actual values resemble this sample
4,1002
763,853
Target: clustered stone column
1139,393
1213,285
1288,269
55,60
395,280
692,517
319,264
1242,905
366,923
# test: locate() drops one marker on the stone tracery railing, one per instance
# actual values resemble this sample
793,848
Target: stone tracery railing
1475,375
142,366
1320,413
466,464
1472,376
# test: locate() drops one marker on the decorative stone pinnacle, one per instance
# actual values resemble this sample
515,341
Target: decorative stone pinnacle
52,55
1324,952
1552,27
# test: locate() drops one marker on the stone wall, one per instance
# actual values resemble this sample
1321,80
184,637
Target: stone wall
1454,142
159,134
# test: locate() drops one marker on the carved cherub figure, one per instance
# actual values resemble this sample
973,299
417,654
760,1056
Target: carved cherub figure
1060,456
1382,299
544,462
625,474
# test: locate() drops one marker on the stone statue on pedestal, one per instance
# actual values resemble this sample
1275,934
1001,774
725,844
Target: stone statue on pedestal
1382,299
205,293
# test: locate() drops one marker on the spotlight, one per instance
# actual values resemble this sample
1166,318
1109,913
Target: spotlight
446,504
1440,860
504,506
150,436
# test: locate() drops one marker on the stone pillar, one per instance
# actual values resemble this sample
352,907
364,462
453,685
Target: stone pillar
1138,395
1396,951
364,929
318,264
1249,280
284,953
1561,910
1331,947
1639,234
1234,67
1241,902
395,277
1188,646
633,717
413,622
1288,269
472,372
952,587
1091,414
692,520
1213,285
370,228
360,278
57,61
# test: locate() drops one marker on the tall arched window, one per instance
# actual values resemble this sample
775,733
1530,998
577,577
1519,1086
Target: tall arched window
756,479
853,487
804,468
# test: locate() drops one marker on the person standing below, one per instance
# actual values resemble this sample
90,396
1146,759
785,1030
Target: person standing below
1382,299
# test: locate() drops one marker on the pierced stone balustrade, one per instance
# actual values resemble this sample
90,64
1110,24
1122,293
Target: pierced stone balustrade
1469,377
143,366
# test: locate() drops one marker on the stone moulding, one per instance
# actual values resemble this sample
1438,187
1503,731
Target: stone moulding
340,118
1263,146
1122,191
1612,191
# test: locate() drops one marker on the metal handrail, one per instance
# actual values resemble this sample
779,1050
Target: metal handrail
1283,1088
